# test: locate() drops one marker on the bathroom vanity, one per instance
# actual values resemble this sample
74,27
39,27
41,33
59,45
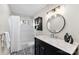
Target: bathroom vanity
45,45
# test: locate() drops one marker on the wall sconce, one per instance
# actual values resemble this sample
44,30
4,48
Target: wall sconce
56,10
60,10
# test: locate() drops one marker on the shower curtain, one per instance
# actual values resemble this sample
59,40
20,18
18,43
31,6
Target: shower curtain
21,32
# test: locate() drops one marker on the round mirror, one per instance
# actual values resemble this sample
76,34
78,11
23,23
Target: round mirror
56,23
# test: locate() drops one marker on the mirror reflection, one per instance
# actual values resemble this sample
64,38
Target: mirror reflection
56,23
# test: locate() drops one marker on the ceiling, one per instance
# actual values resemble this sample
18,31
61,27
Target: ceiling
26,9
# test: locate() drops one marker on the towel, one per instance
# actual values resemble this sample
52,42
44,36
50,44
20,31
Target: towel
7,39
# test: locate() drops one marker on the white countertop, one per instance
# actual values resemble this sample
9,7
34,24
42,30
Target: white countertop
59,43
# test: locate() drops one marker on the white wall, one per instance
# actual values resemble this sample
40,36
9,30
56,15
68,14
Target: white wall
4,25
43,14
4,14
72,22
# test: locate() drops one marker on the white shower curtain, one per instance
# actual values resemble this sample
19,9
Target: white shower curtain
21,33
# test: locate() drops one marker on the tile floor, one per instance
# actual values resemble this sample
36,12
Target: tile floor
26,51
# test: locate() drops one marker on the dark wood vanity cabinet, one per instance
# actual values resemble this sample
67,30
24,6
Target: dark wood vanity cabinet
42,48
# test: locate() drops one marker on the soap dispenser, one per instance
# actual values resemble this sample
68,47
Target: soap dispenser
71,39
66,37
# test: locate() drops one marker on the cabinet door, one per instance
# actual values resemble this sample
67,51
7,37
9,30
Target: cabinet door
37,50
42,50
39,47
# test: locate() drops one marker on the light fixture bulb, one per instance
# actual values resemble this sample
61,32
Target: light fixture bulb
60,10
